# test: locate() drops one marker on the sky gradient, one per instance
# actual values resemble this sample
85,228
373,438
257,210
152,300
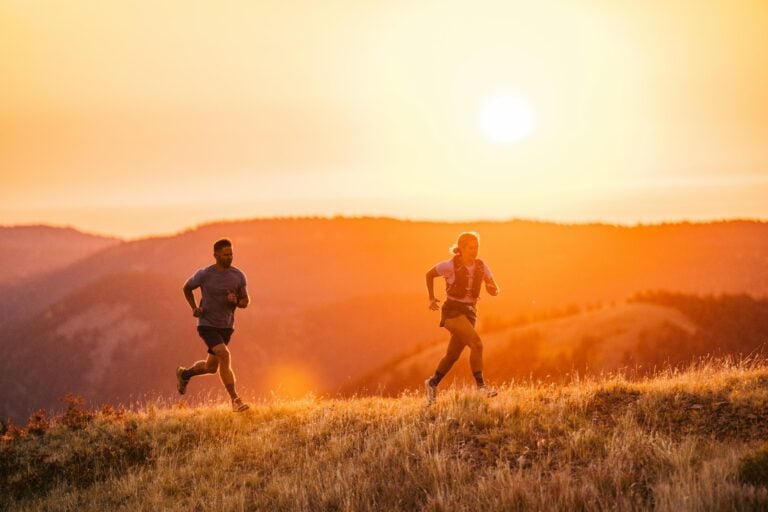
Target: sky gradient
148,117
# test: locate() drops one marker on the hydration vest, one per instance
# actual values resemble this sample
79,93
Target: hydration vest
459,287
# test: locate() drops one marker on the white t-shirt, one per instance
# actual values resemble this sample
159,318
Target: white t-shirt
445,269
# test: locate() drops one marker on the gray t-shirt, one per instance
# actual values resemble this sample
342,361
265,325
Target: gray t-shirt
217,310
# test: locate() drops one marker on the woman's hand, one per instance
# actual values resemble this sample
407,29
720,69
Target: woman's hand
434,304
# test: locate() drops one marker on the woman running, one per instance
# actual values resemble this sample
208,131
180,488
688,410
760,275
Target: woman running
464,274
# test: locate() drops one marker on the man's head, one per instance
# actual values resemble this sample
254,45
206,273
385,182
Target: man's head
222,251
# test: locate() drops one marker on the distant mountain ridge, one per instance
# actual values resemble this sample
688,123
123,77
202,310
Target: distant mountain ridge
30,251
309,261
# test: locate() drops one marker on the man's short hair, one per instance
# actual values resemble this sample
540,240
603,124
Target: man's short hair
220,244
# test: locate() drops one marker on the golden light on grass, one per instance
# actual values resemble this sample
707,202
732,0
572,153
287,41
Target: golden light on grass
680,441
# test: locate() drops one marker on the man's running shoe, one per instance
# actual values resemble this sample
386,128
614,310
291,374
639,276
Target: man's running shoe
238,405
431,391
487,391
181,382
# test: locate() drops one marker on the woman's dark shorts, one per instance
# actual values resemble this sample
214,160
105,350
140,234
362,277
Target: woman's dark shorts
213,336
452,309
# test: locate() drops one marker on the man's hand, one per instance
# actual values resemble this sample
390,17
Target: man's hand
434,304
197,312
232,297
492,289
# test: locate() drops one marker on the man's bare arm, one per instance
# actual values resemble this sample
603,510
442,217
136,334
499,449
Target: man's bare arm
196,311
244,300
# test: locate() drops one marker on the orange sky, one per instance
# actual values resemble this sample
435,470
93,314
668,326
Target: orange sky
145,117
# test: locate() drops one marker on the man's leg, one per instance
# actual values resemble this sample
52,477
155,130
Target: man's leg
227,375
224,358
183,375
209,365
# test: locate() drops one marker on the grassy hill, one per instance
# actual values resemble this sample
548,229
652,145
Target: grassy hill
679,441
334,299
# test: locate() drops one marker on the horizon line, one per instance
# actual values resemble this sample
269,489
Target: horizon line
529,220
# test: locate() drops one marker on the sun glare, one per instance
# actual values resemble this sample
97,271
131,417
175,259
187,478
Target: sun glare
290,380
507,118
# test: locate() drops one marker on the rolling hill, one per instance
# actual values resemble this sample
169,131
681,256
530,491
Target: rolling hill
333,299
648,333
111,342
600,340
311,261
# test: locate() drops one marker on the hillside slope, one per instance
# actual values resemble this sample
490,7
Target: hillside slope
121,338
677,442
606,339
647,333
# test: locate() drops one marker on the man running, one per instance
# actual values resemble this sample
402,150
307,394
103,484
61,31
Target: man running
223,290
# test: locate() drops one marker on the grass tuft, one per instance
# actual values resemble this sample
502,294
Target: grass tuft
753,467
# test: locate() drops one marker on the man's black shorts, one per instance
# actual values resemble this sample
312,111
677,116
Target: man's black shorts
213,336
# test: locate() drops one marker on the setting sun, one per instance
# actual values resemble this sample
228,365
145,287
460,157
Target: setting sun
138,119
507,118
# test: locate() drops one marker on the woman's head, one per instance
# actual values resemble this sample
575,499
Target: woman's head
467,244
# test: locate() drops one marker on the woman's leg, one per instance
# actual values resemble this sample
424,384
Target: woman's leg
455,347
461,328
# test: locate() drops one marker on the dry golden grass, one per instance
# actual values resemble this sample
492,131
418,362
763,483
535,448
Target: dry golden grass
692,440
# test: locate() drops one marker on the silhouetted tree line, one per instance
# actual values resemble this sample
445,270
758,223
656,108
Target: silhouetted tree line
727,325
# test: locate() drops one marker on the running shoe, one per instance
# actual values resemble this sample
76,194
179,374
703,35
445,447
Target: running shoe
238,405
431,391
487,391
181,382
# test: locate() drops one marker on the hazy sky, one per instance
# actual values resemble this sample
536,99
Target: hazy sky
146,117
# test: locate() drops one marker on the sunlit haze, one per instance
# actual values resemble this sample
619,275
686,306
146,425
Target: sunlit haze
138,118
